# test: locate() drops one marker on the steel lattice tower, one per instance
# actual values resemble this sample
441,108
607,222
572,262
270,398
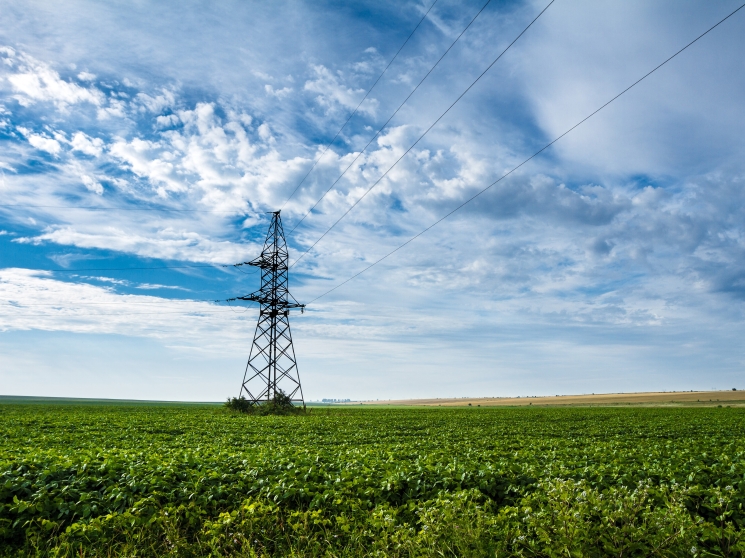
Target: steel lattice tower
271,363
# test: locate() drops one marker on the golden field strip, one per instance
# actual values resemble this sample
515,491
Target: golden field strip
673,398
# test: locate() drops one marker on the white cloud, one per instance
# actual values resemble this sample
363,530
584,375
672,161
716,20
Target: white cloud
146,159
262,75
34,300
116,109
86,76
85,144
265,132
151,242
278,93
166,121
122,282
92,184
332,93
678,120
40,142
157,103
125,283
45,144
155,286
34,81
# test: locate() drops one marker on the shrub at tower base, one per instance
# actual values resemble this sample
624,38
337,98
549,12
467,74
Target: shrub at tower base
280,405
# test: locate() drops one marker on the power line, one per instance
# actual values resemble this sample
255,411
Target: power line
215,266
128,302
358,106
505,175
99,208
247,308
75,303
390,118
422,136
194,312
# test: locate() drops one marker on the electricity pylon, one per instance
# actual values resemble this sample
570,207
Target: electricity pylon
271,363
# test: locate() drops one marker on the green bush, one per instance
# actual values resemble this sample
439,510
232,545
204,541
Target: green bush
281,404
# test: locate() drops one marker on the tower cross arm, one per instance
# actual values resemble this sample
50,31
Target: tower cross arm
269,263
265,263
263,298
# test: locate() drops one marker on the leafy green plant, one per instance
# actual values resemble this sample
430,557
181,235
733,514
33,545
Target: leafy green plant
197,481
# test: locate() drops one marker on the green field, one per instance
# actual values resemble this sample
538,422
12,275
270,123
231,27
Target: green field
136,480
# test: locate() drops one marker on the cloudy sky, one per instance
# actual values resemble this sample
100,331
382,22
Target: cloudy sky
143,144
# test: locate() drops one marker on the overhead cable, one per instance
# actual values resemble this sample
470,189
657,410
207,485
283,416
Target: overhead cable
195,314
114,302
215,266
118,302
505,175
105,208
421,136
359,105
391,117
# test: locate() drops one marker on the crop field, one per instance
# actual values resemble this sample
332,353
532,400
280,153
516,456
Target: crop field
660,398
106,480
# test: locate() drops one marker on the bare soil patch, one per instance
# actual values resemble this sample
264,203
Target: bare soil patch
661,398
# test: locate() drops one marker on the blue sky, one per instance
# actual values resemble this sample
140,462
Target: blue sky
144,135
